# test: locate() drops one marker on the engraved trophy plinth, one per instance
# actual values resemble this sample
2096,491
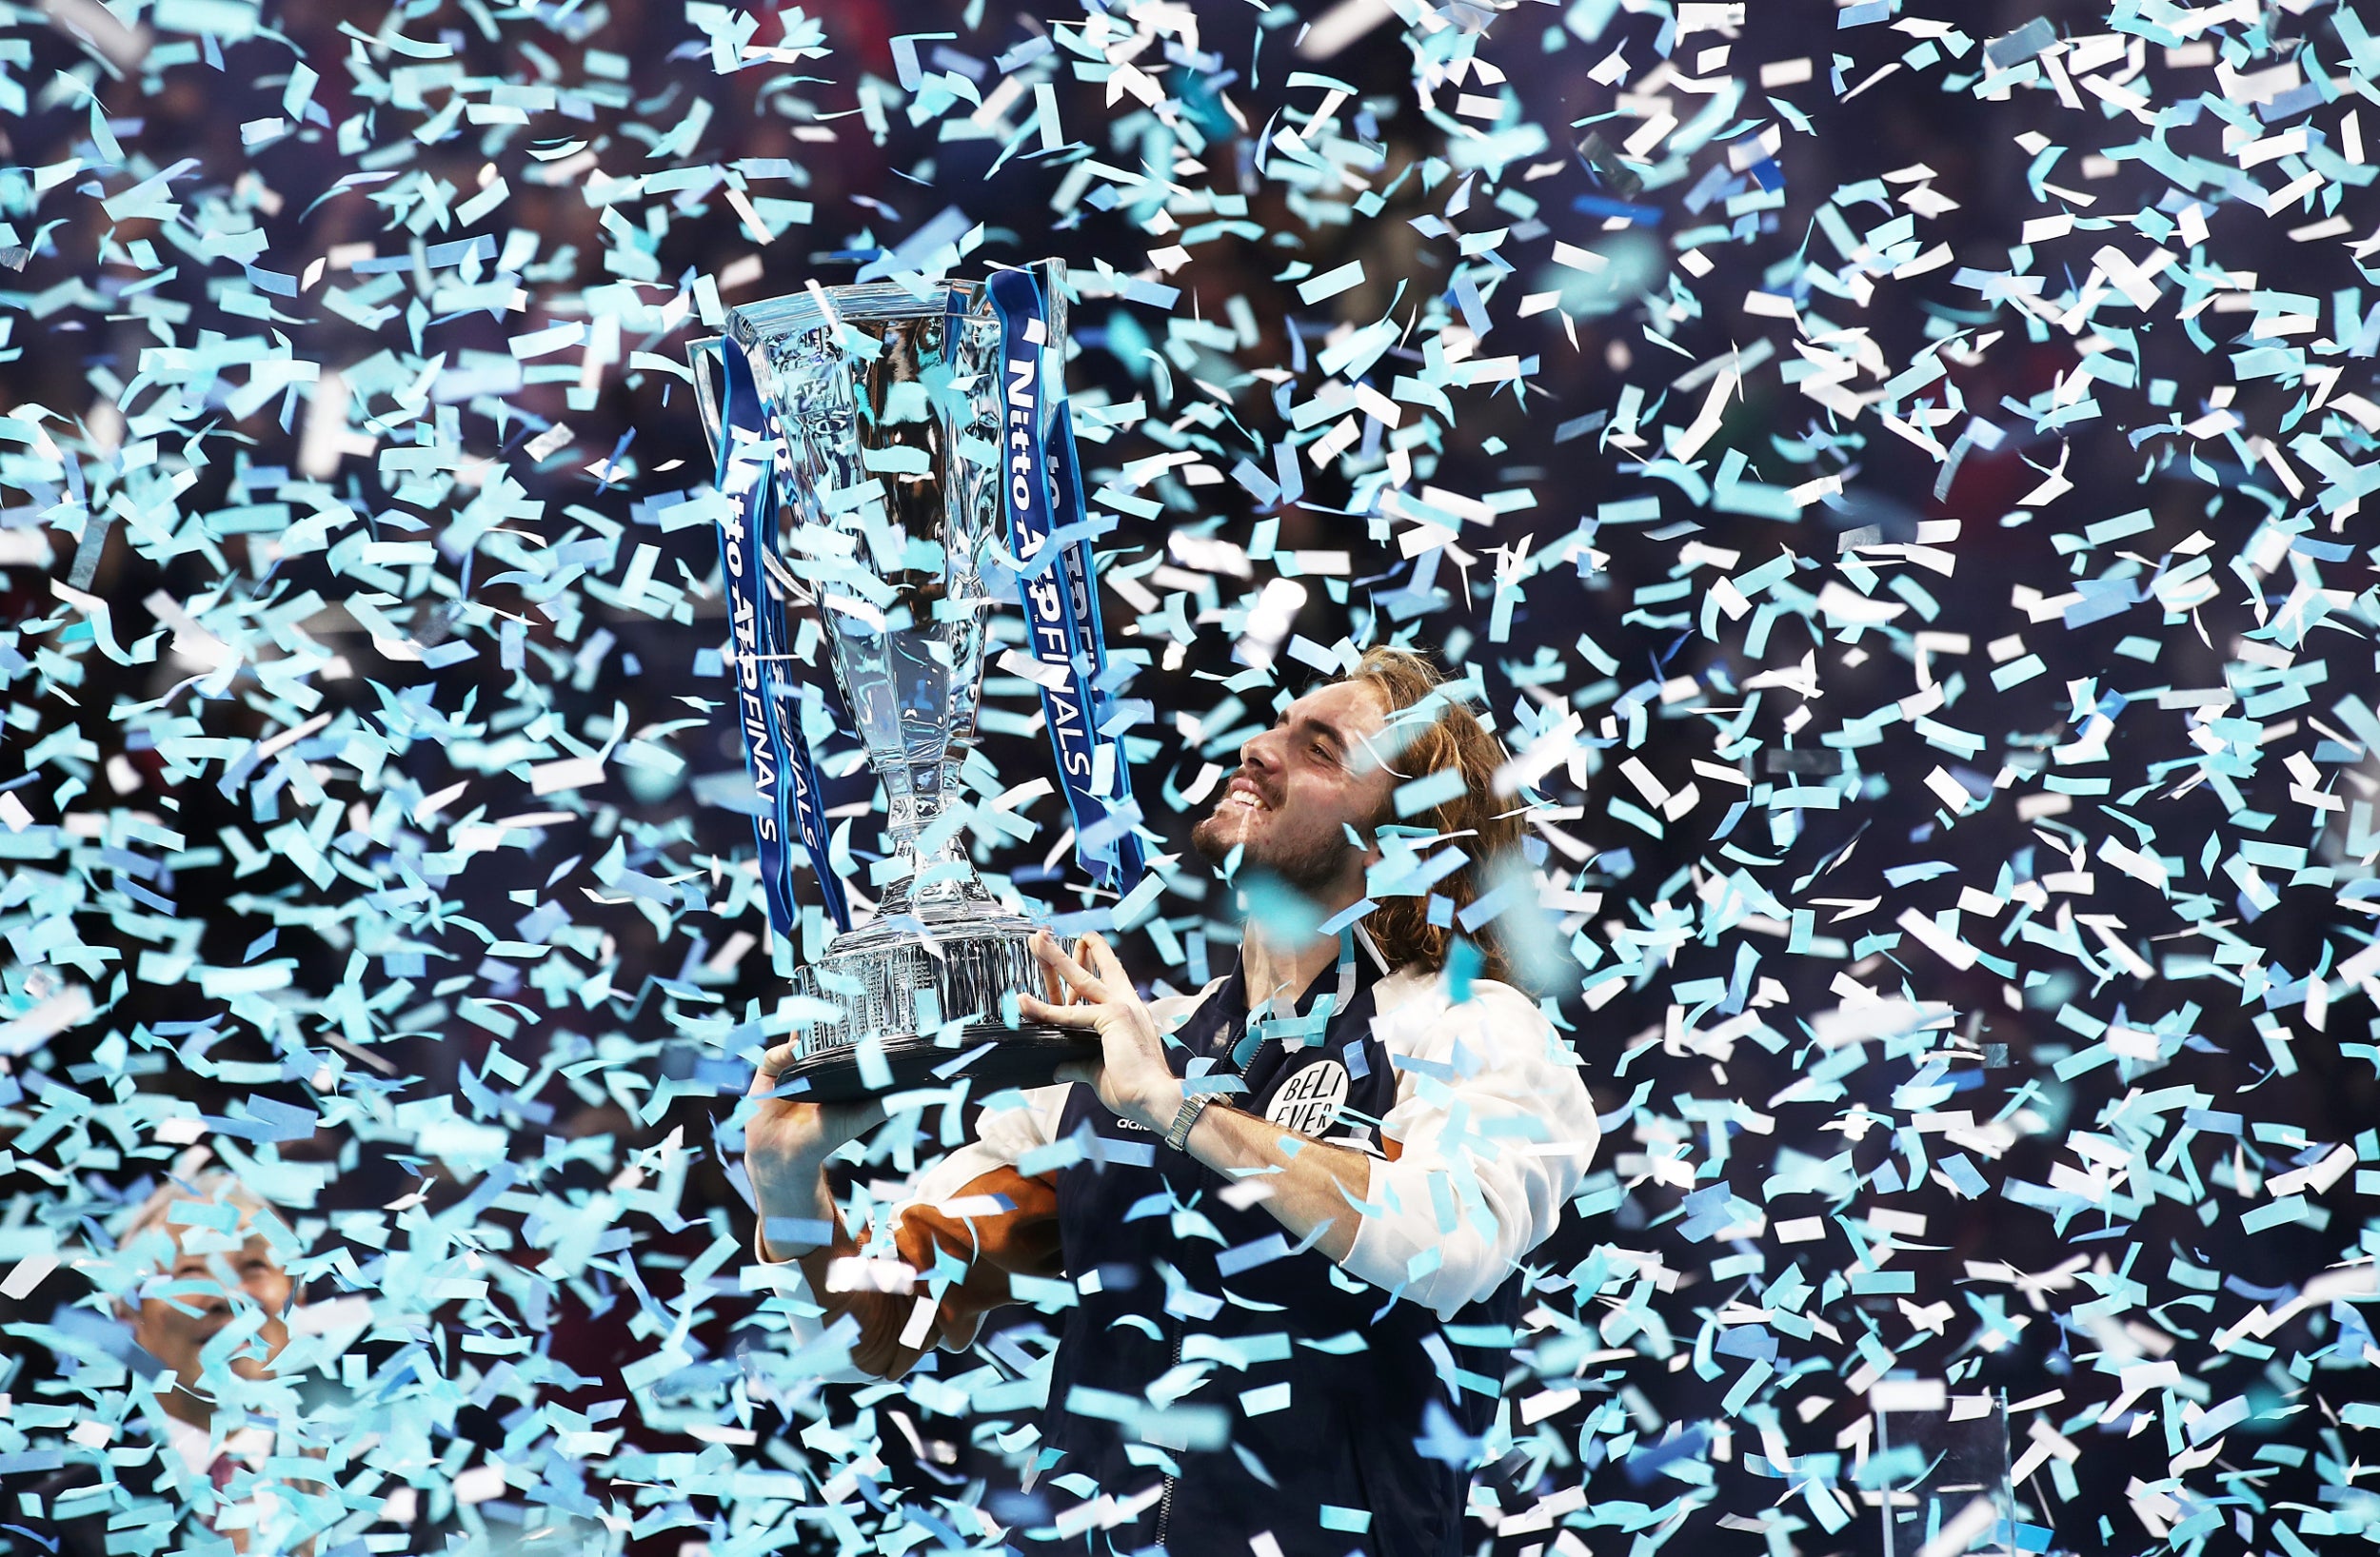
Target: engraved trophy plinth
872,440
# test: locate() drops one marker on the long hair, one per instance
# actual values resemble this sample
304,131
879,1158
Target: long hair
1419,746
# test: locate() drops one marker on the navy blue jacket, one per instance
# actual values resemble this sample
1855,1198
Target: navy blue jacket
1313,1422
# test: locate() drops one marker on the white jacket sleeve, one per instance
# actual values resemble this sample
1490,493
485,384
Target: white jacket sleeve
1493,1129
1002,1138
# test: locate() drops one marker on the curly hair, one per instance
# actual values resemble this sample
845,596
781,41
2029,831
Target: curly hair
1418,744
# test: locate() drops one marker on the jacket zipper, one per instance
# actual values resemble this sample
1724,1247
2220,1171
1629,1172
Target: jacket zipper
1166,1500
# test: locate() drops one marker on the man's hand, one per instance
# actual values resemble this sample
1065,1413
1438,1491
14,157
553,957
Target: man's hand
1090,991
788,1142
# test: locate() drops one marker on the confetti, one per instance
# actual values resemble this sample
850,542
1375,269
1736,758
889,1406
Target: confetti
1899,503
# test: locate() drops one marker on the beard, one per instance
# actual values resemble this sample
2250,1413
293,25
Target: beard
1310,864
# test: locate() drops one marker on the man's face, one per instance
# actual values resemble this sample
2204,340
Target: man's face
1298,787
173,1328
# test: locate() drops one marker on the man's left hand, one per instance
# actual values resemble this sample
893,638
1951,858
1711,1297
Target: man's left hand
1092,993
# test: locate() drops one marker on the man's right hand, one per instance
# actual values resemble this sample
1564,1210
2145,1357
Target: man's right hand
787,1141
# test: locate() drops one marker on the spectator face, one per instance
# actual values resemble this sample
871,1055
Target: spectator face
215,1280
1300,786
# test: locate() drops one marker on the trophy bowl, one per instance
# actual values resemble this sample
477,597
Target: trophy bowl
874,452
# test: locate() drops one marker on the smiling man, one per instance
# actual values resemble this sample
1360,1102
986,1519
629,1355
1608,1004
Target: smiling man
1292,1206
209,1302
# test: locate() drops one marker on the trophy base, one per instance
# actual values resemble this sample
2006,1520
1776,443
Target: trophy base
901,996
991,1056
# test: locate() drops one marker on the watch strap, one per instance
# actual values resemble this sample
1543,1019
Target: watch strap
1177,1136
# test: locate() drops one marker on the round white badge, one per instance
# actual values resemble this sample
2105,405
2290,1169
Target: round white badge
1310,1099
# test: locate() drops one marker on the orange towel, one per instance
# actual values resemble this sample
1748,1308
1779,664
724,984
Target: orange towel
1021,1240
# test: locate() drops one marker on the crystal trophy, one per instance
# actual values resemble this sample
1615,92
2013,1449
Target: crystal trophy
885,449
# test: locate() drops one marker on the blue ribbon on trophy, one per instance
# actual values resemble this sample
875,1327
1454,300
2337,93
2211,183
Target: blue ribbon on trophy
1041,488
1061,613
784,771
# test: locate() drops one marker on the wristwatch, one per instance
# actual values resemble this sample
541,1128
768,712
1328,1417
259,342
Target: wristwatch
1179,1135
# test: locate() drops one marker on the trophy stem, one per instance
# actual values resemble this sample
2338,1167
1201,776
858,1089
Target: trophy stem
940,878
913,797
